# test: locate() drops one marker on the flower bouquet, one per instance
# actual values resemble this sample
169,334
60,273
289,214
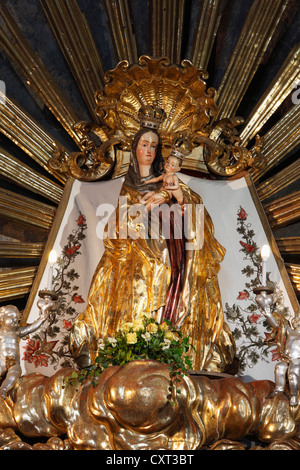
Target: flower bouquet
143,338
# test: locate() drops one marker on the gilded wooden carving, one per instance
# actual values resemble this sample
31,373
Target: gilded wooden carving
190,109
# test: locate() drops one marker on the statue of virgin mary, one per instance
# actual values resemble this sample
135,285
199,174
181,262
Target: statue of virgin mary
156,271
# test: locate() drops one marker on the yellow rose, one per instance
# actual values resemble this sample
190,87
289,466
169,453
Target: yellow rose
126,326
164,326
169,335
152,328
138,324
131,338
147,315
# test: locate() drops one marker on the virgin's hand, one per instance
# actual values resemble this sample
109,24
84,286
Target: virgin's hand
146,197
156,200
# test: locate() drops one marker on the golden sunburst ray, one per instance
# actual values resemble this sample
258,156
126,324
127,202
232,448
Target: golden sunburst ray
28,178
36,75
281,139
16,283
26,210
279,181
120,21
279,89
75,39
256,34
27,134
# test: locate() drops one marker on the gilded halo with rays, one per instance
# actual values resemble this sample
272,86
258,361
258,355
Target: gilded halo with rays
56,55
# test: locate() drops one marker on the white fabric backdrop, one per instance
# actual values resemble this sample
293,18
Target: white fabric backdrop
47,350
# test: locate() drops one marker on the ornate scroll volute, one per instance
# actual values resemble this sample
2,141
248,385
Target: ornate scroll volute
190,107
96,158
224,155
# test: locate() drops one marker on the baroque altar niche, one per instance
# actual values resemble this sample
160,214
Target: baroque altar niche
102,281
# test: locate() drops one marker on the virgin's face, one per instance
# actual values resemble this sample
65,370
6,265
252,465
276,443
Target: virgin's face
146,148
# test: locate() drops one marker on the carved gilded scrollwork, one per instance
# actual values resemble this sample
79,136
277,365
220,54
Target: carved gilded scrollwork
94,161
225,156
190,108
180,91
120,413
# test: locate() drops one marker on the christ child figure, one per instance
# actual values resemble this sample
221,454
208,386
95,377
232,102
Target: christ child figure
170,181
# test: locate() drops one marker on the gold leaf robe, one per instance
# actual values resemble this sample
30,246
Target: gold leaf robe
133,277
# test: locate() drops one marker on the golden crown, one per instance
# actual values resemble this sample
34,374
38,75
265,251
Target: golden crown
182,147
151,116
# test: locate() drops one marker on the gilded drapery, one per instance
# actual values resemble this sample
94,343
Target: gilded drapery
133,278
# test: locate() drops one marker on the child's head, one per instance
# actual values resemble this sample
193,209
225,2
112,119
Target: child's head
172,164
9,316
296,322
